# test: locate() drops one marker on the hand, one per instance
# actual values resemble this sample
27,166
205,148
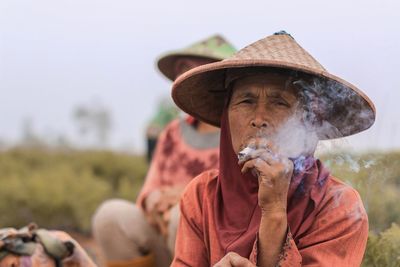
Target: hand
170,196
274,173
233,259
153,215
158,205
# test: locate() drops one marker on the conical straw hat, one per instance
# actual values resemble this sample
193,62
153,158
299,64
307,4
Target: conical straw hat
215,48
201,92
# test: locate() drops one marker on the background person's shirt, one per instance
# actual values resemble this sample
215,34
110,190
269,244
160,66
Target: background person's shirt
181,154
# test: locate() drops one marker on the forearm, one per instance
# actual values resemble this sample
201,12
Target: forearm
272,235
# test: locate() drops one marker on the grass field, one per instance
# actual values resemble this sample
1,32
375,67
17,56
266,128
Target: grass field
60,189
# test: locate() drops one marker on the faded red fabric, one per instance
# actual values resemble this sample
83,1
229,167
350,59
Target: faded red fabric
176,162
328,225
236,199
337,236
191,120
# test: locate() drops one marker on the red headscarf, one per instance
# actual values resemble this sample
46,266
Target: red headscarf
236,211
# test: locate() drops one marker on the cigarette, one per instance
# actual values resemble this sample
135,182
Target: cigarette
244,154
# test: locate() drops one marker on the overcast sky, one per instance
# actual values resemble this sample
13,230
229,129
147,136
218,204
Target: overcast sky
55,55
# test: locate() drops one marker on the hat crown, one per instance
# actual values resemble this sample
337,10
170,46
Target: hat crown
280,48
202,91
213,47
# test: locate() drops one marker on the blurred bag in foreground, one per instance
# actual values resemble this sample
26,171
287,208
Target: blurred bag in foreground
31,246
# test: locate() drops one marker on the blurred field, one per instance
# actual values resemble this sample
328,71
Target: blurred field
62,188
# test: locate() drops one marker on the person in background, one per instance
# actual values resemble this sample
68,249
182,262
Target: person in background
143,234
270,202
166,112
172,63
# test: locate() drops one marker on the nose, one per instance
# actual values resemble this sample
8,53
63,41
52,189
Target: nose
259,123
259,120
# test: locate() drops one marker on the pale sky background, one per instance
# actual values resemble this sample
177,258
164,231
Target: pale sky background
56,54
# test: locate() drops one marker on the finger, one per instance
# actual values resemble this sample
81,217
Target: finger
258,164
161,207
166,205
278,162
151,219
247,154
288,164
233,259
224,262
163,204
248,165
159,223
163,227
166,216
239,261
269,157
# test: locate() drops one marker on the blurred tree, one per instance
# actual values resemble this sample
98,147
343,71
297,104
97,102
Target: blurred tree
95,121
28,136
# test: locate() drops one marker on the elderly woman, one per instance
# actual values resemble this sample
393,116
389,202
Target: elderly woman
271,203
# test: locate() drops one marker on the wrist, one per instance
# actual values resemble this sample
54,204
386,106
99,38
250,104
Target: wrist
275,222
270,209
276,215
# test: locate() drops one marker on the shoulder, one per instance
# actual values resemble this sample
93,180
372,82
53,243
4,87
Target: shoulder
341,193
173,125
170,131
342,200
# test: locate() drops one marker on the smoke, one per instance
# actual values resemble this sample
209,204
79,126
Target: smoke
294,139
331,109
326,110
350,162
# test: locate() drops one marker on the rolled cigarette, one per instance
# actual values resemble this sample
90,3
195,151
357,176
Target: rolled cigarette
244,154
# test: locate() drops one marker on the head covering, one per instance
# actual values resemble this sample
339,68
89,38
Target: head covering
236,212
214,48
201,92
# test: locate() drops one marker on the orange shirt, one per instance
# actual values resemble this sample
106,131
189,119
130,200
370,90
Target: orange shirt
337,237
176,162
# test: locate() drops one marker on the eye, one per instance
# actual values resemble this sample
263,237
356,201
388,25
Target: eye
246,101
281,103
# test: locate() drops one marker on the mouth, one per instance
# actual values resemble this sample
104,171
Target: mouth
256,141
248,148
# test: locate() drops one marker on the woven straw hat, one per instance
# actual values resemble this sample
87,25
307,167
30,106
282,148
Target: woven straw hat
201,92
214,48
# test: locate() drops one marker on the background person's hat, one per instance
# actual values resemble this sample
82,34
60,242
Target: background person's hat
201,91
215,48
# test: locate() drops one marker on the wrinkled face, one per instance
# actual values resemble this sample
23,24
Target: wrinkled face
259,105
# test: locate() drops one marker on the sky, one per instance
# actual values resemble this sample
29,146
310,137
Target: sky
56,55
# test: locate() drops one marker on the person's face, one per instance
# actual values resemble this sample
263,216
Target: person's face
186,63
259,105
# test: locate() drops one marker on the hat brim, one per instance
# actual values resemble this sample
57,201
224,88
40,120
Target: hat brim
201,93
166,63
